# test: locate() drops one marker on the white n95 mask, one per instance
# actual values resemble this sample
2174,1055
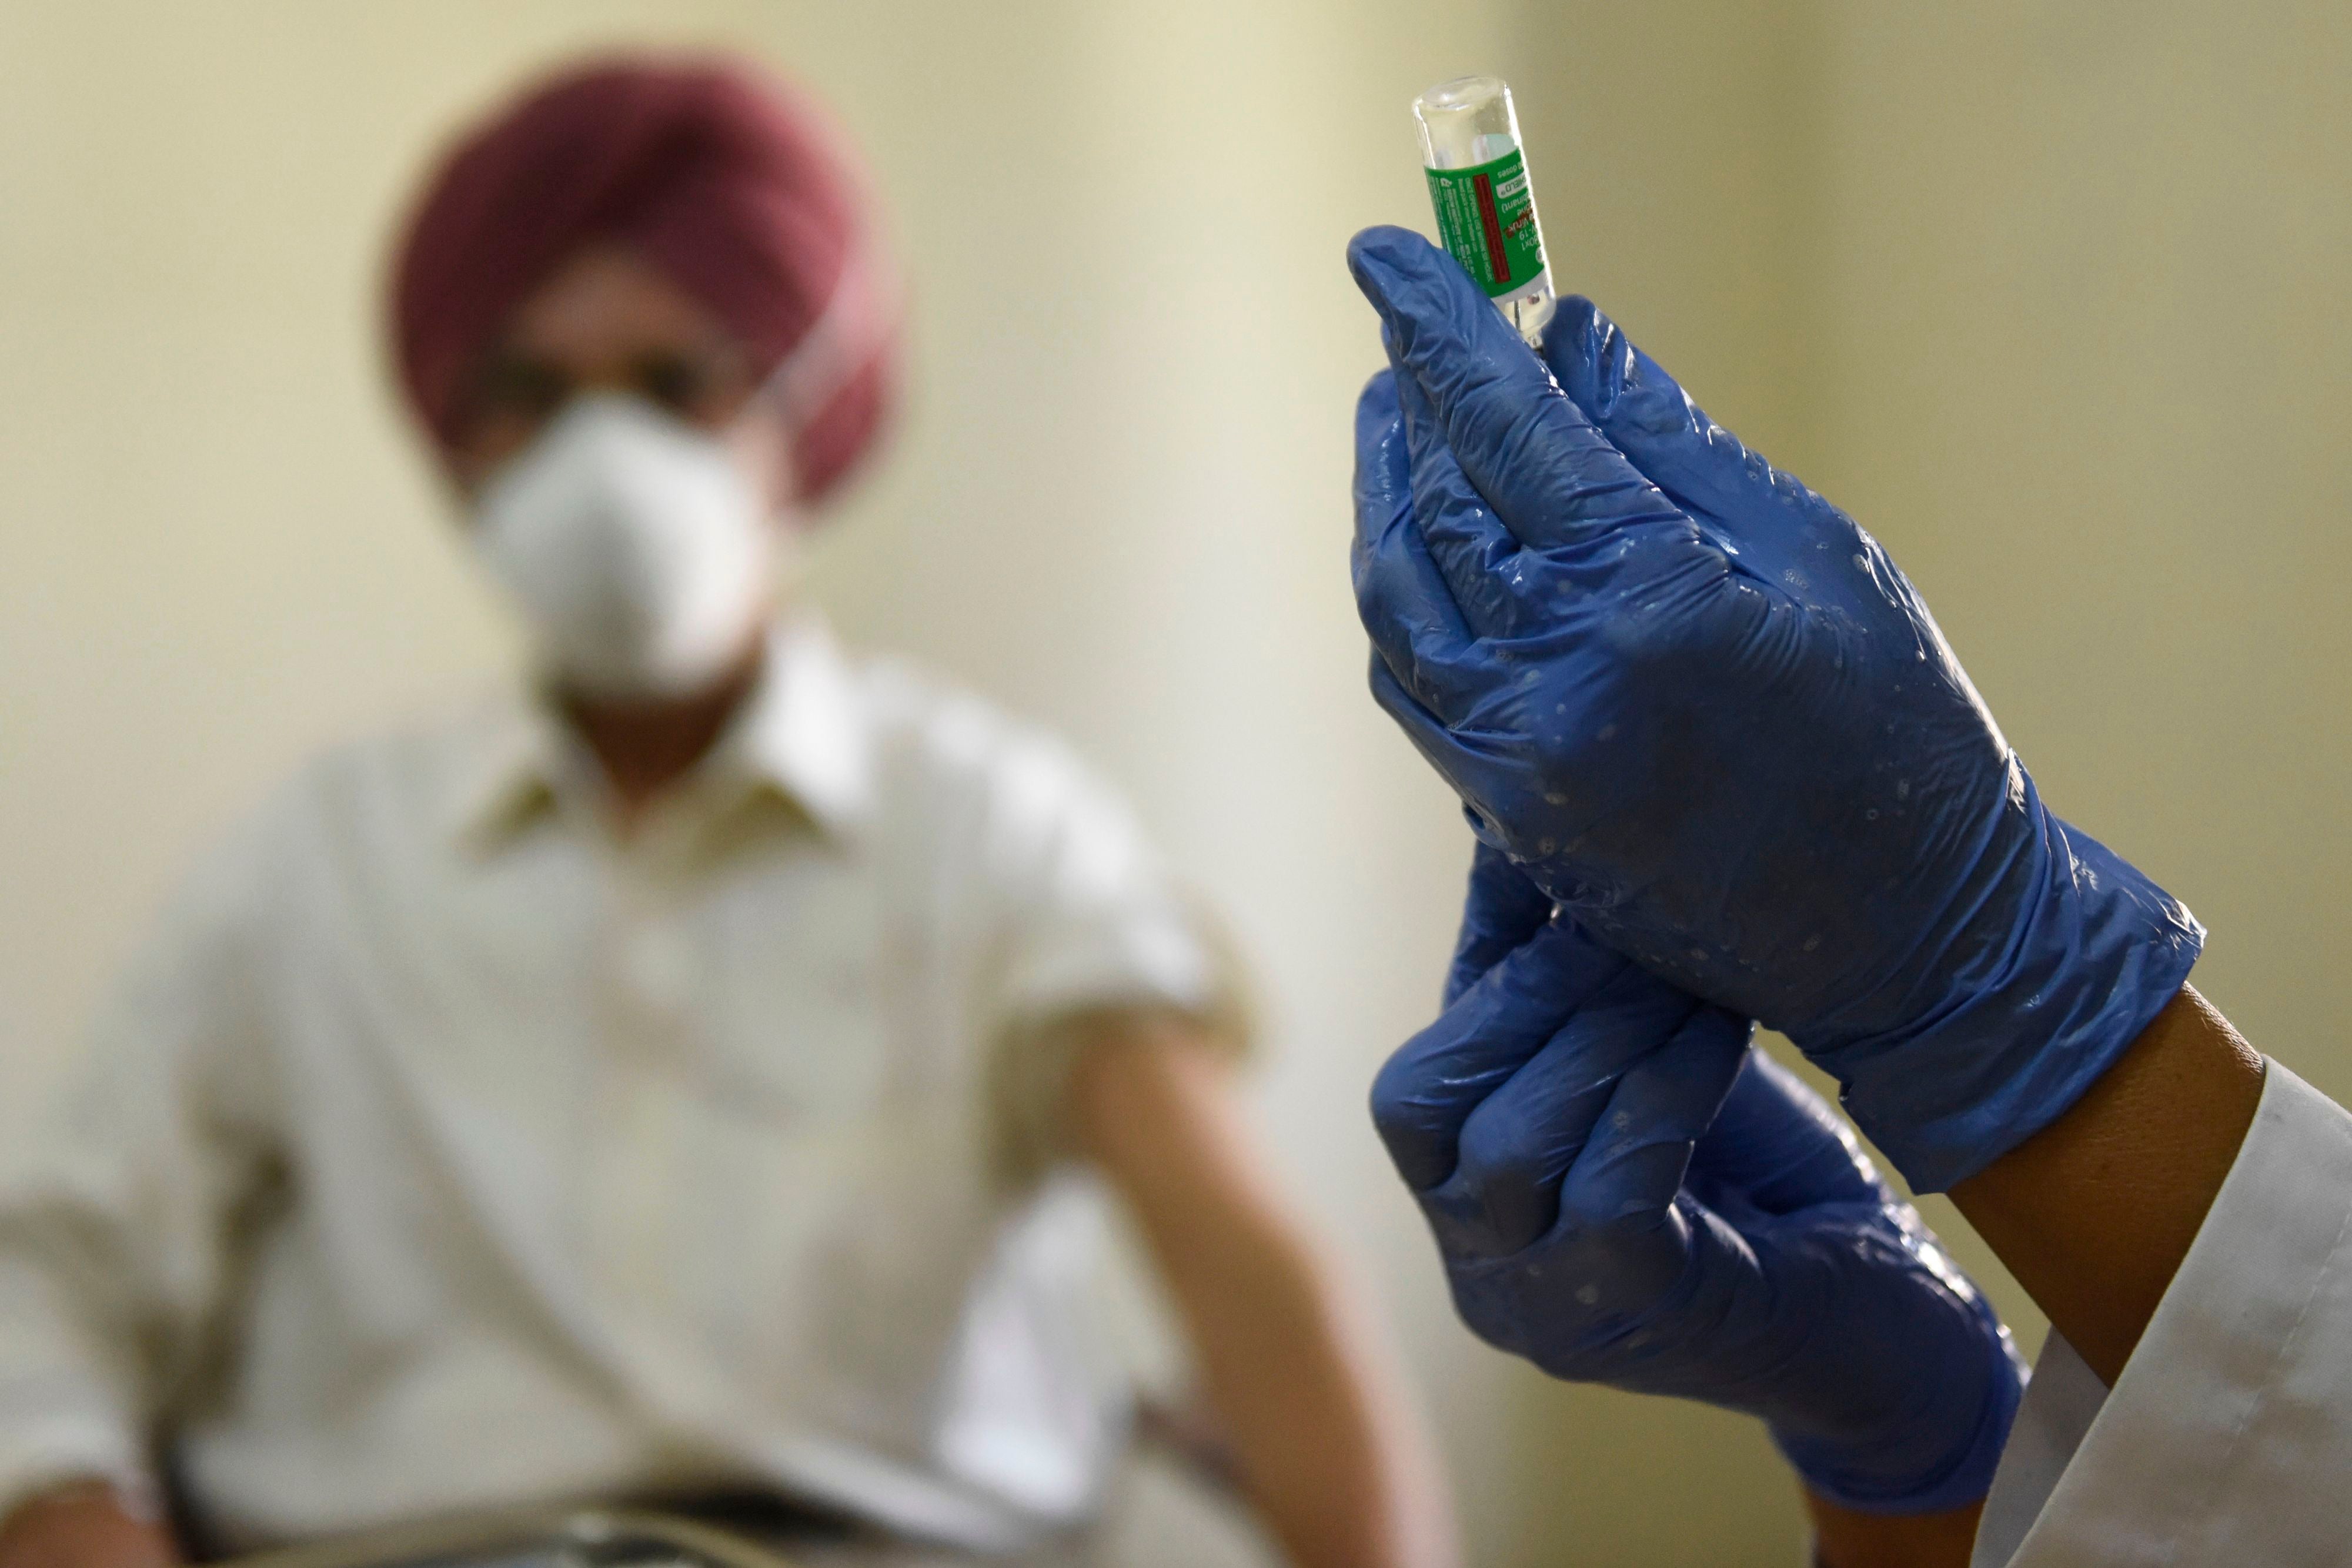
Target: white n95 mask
636,545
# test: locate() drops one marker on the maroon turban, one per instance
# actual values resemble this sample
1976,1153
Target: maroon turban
730,186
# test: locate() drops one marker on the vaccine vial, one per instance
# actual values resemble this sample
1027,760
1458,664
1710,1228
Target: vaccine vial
1486,208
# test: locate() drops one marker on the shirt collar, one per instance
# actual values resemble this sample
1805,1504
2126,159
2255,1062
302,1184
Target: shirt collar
510,780
801,732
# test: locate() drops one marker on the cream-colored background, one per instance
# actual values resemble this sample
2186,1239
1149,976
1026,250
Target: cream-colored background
2050,296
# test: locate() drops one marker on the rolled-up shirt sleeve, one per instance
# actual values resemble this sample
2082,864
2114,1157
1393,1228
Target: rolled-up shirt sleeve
1090,923
2227,1437
113,1220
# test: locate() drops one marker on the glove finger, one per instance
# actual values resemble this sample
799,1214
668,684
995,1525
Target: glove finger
1646,414
1521,1140
1635,1162
1428,1089
1404,600
1782,1148
1548,473
1482,561
1503,909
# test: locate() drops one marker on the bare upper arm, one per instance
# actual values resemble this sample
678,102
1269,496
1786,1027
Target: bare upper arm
1153,1104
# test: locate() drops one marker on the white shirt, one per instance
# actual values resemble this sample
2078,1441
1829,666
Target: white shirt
2227,1440
445,1150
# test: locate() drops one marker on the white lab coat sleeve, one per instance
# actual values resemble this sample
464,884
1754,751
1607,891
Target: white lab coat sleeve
114,1215
2227,1437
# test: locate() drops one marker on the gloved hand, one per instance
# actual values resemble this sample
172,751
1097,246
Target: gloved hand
1625,1192
1709,716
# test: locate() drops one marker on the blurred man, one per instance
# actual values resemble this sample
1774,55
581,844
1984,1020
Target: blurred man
666,1080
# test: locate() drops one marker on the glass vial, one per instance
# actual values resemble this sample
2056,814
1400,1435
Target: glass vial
1486,208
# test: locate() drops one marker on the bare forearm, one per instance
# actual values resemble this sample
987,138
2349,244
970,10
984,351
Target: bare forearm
1327,1449
1329,1458
2094,1213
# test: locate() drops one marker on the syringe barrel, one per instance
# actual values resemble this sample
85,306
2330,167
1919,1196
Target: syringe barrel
1485,206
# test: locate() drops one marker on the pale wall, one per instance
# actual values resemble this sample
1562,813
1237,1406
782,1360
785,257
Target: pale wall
2051,305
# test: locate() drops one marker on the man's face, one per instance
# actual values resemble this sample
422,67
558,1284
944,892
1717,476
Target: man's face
607,321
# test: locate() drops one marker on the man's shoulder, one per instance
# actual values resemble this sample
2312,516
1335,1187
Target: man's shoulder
365,796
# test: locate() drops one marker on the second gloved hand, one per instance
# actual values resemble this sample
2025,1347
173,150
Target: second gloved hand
1625,1192
1712,718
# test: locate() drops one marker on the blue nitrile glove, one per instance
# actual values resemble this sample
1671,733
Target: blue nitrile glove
1709,716
1599,1216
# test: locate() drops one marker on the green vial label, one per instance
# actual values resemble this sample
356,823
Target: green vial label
1487,217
